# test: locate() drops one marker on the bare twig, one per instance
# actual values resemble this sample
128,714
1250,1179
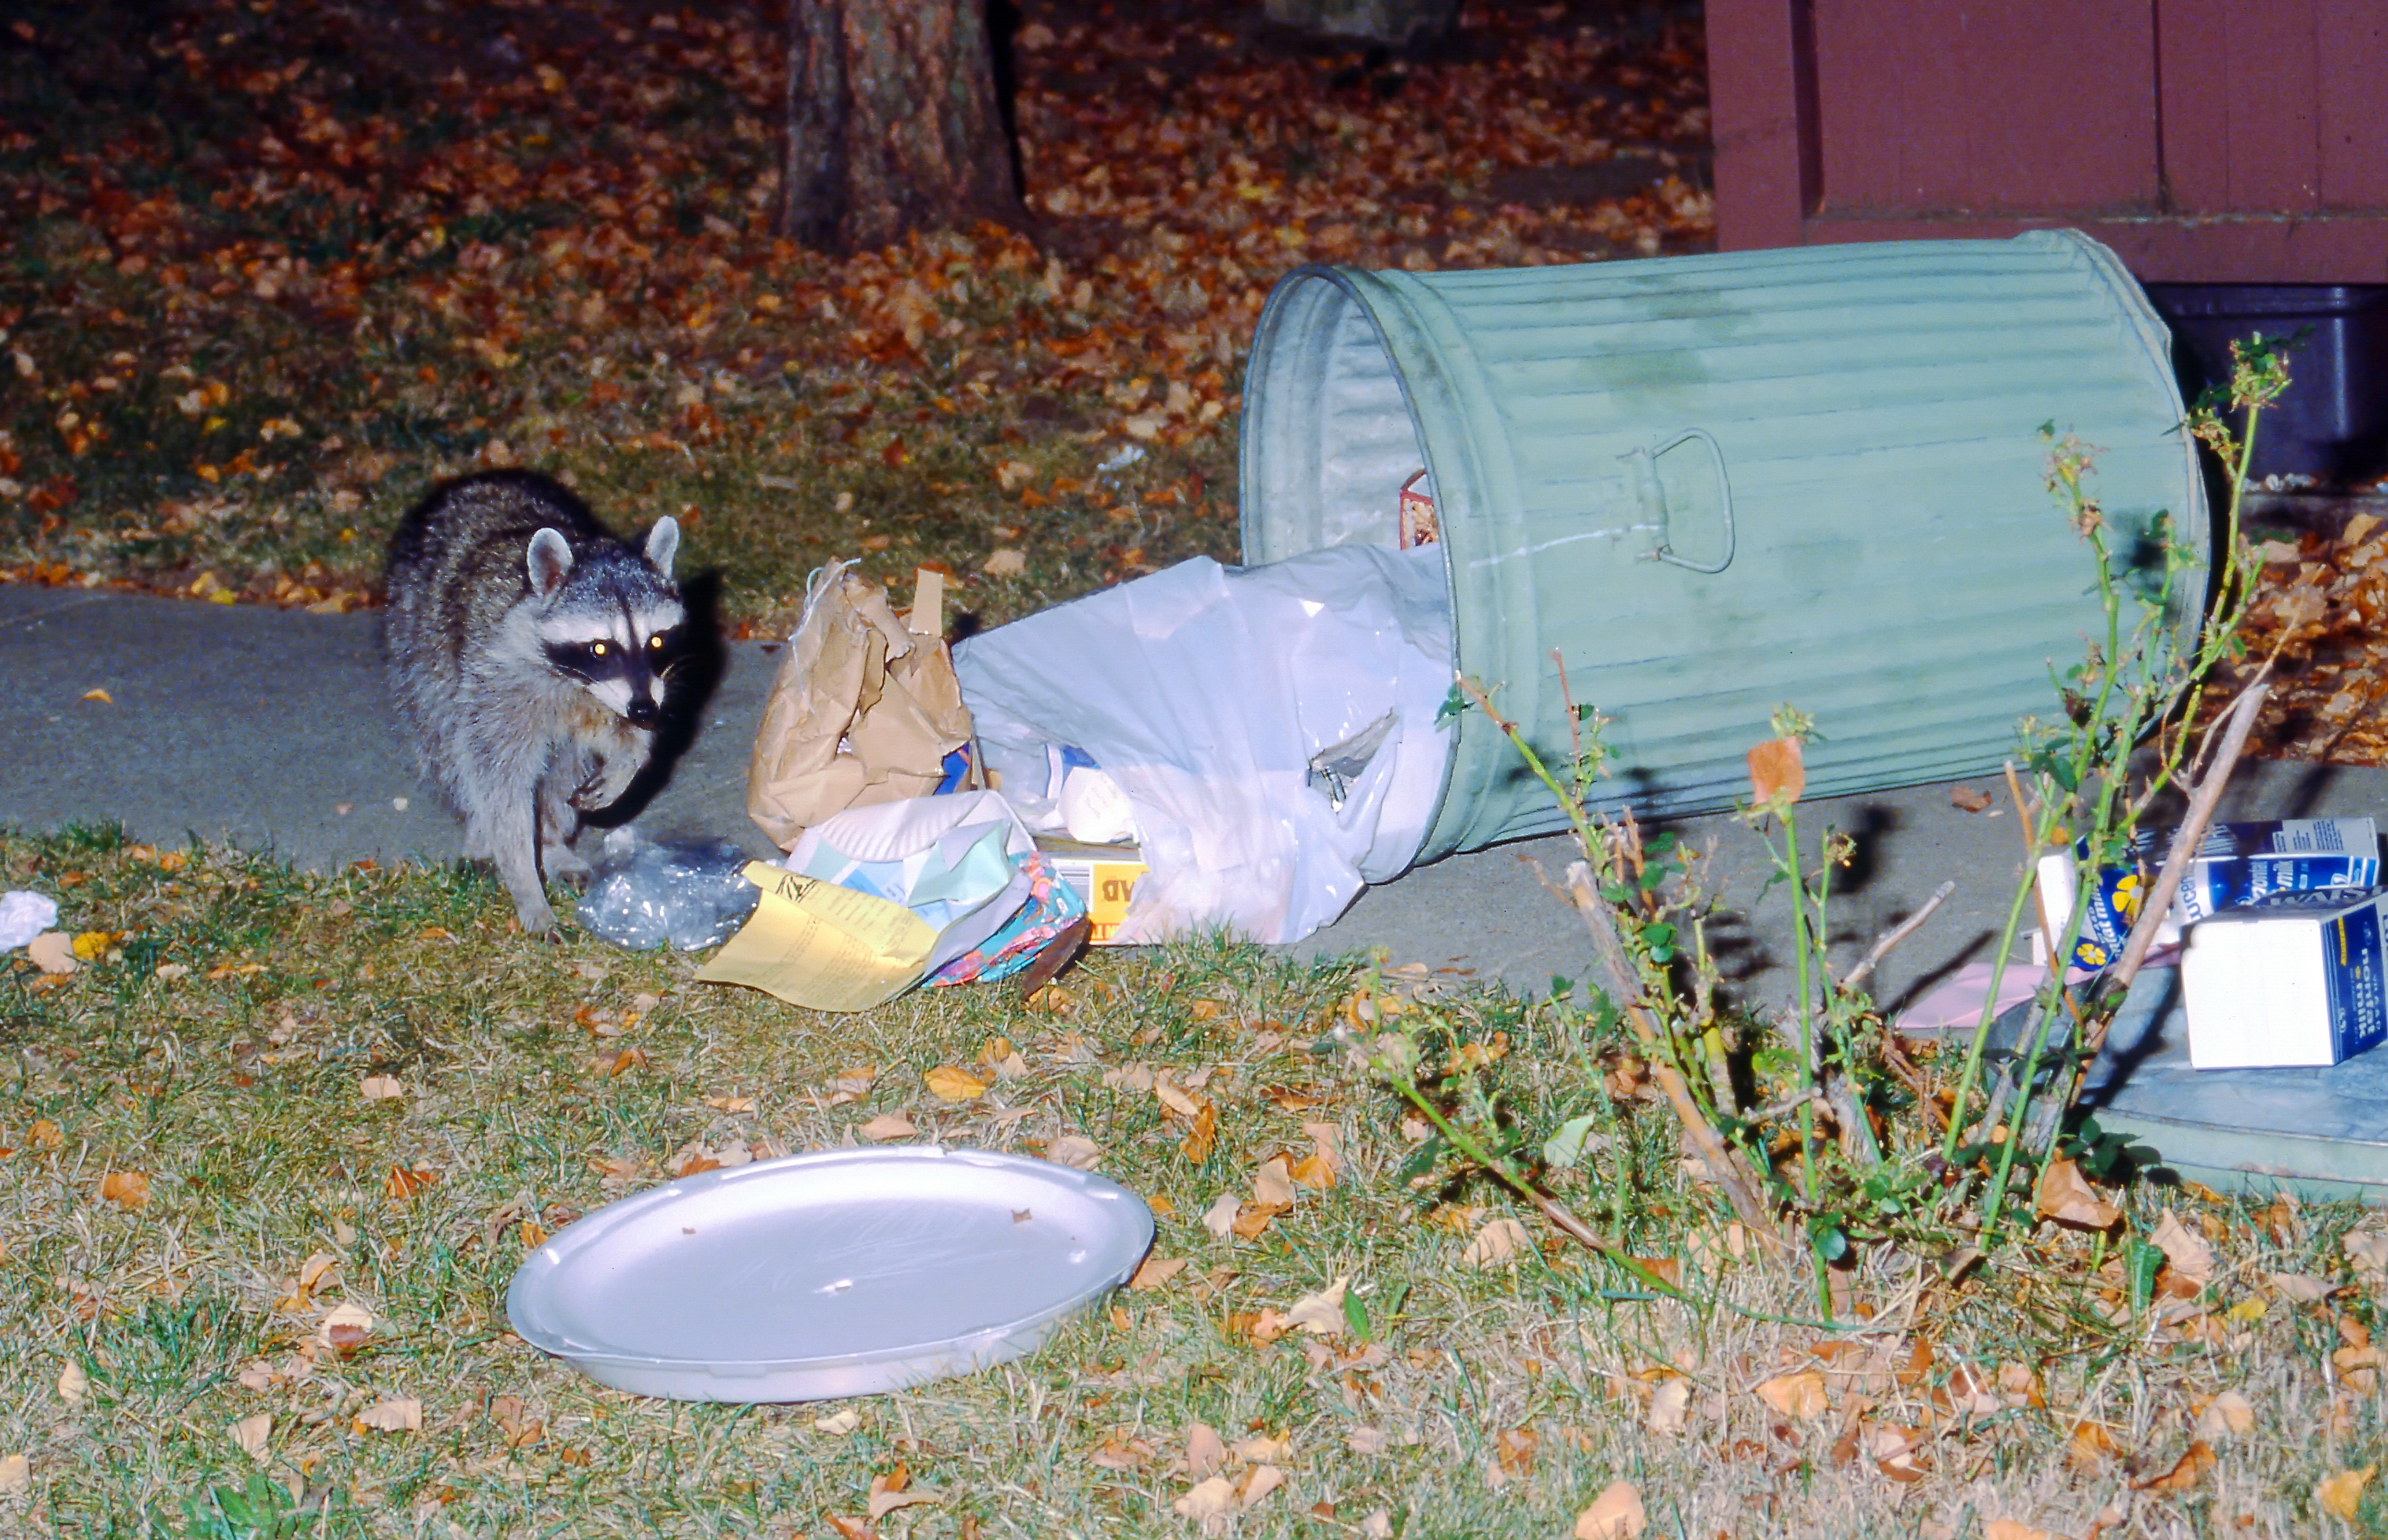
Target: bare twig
1625,987
1897,934
2234,727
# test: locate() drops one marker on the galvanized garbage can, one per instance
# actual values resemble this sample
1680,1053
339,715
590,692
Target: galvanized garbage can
1713,484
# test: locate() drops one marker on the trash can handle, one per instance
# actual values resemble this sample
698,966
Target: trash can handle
1654,497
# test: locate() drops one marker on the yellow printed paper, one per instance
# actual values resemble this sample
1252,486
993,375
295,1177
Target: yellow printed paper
823,947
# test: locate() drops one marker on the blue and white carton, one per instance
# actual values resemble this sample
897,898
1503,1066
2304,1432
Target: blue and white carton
2235,864
2291,979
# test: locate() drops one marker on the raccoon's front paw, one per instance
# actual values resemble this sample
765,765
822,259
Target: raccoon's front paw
539,921
562,866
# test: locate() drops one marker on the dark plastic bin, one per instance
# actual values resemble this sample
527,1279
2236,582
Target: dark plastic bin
2333,424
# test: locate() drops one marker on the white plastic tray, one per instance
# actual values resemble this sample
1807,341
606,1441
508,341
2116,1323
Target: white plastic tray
847,1272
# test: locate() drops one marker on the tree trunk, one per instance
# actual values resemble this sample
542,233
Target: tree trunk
892,122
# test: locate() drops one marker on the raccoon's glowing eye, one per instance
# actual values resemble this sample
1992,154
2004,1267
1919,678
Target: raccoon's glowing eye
655,644
598,650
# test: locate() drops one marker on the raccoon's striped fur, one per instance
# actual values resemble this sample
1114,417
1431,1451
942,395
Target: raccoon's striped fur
527,648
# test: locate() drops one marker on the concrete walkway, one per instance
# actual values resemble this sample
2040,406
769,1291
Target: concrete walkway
270,728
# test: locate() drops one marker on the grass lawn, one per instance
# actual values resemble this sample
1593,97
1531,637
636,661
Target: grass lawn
266,1097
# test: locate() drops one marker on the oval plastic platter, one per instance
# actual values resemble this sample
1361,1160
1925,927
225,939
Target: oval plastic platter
847,1272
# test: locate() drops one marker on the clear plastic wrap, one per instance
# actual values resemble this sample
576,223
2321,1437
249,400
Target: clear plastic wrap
647,892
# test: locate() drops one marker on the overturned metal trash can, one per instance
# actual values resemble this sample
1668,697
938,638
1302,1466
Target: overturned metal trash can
1714,484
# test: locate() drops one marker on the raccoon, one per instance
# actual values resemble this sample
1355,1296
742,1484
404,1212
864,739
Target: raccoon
529,650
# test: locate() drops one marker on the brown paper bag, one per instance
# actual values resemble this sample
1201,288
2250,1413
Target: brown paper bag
864,710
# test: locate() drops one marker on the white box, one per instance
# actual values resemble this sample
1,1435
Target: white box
2295,978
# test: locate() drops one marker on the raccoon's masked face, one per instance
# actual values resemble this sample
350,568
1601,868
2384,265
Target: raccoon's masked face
625,667
616,627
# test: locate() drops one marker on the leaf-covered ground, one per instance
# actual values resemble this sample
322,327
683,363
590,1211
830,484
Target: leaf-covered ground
275,268
270,1152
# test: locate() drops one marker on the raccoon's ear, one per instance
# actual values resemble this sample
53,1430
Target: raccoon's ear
549,562
663,544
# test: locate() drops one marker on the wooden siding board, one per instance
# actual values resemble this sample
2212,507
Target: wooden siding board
1757,60
2215,140
1926,106
2351,54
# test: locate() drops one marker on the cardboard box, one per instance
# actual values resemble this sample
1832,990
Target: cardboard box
2295,978
1105,876
2236,864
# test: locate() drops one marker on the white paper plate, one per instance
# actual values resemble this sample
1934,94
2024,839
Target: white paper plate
844,1273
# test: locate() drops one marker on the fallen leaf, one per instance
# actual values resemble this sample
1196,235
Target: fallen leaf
396,1414
1799,1395
381,1088
1205,1451
2089,1444
2340,1494
888,1125
46,1134
1273,1185
2301,1288
1368,1441
1170,1094
1203,1137
1004,562
100,695
1220,1218
1499,1243
126,1188
1073,1149
345,1327
1154,1272
2190,1255
1321,1313
1967,799
1327,1139
2195,1462
1616,1514
2229,1415
894,1490
15,1475
2368,1249
952,1083
2007,1529
838,1424
1253,1218
1212,1497
251,1433
73,1383
1264,1449
1670,1407
1258,1482
52,951
1777,770
2065,1196
405,1182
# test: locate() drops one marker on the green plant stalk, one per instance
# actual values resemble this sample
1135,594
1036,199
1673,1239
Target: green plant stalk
2115,810
1799,946
2084,753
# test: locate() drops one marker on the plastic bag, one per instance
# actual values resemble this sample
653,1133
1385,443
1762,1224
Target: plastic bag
24,915
1273,730
645,892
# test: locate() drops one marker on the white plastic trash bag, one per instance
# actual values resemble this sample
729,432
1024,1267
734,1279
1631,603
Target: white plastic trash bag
1273,730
